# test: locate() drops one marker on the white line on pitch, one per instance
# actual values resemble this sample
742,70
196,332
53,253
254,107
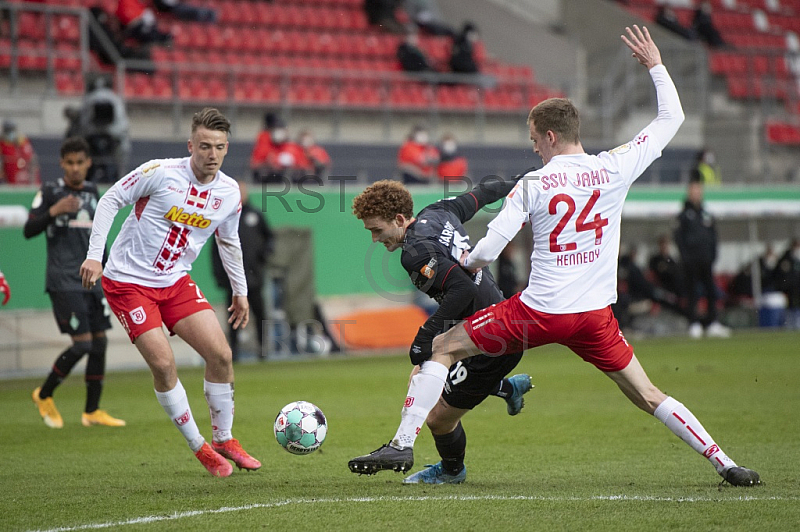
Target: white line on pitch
225,509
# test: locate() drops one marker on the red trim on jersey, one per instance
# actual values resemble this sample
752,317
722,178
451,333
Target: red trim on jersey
141,203
679,418
476,200
448,273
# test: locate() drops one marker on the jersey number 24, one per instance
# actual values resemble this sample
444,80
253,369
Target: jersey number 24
581,224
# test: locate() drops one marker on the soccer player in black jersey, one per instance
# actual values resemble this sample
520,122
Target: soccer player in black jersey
64,210
431,243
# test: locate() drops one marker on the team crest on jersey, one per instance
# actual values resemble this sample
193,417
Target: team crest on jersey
428,270
138,315
216,203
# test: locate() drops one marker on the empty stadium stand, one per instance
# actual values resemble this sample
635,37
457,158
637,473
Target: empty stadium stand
300,53
762,59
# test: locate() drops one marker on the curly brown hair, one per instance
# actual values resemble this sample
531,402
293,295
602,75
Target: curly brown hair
384,199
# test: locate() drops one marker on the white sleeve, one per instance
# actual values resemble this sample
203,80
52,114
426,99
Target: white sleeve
137,184
230,251
632,159
670,113
486,250
506,225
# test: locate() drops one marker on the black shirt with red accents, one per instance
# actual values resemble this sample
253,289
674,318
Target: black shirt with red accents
431,249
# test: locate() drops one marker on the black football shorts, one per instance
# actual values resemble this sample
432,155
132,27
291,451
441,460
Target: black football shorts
81,312
471,380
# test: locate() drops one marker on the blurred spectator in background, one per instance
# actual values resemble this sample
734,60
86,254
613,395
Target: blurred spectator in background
741,286
275,158
665,269
462,54
382,13
262,146
667,18
411,57
451,163
633,287
314,160
417,158
20,165
428,17
696,238
139,23
103,122
258,243
706,170
704,27
111,41
787,280
183,11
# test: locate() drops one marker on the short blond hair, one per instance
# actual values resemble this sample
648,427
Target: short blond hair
558,115
384,199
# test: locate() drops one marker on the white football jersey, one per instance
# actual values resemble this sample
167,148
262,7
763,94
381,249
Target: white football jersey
574,206
173,216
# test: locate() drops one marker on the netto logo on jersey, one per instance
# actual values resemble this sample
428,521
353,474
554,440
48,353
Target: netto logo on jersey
191,219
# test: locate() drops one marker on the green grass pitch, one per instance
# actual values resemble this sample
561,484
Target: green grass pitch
578,457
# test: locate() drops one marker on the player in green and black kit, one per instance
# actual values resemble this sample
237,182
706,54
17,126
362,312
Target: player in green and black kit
64,210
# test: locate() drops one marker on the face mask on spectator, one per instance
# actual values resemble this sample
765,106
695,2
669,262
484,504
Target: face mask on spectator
280,135
449,147
421,137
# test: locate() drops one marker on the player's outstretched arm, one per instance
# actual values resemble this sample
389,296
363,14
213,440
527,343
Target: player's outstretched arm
641,44
466,205
670,113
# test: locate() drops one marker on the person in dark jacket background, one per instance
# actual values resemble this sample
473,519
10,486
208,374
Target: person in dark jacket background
258,242
696,238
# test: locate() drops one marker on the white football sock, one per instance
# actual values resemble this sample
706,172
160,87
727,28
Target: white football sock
219,396
423,393
176,405
682,422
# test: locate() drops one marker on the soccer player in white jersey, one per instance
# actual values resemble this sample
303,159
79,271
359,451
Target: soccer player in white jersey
574,207
178,205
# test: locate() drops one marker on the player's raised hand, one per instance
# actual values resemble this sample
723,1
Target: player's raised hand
641,44
240,312
91,270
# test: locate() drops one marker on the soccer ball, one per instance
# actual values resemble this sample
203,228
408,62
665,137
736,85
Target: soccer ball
300,427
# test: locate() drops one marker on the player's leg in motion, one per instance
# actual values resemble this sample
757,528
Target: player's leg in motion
512,389
43,396
202,331
423,394
444,422
95,373
635,384
155,348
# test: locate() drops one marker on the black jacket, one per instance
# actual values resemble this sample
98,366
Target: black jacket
696,235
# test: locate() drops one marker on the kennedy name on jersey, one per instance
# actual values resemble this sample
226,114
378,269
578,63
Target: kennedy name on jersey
584,179
191,219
